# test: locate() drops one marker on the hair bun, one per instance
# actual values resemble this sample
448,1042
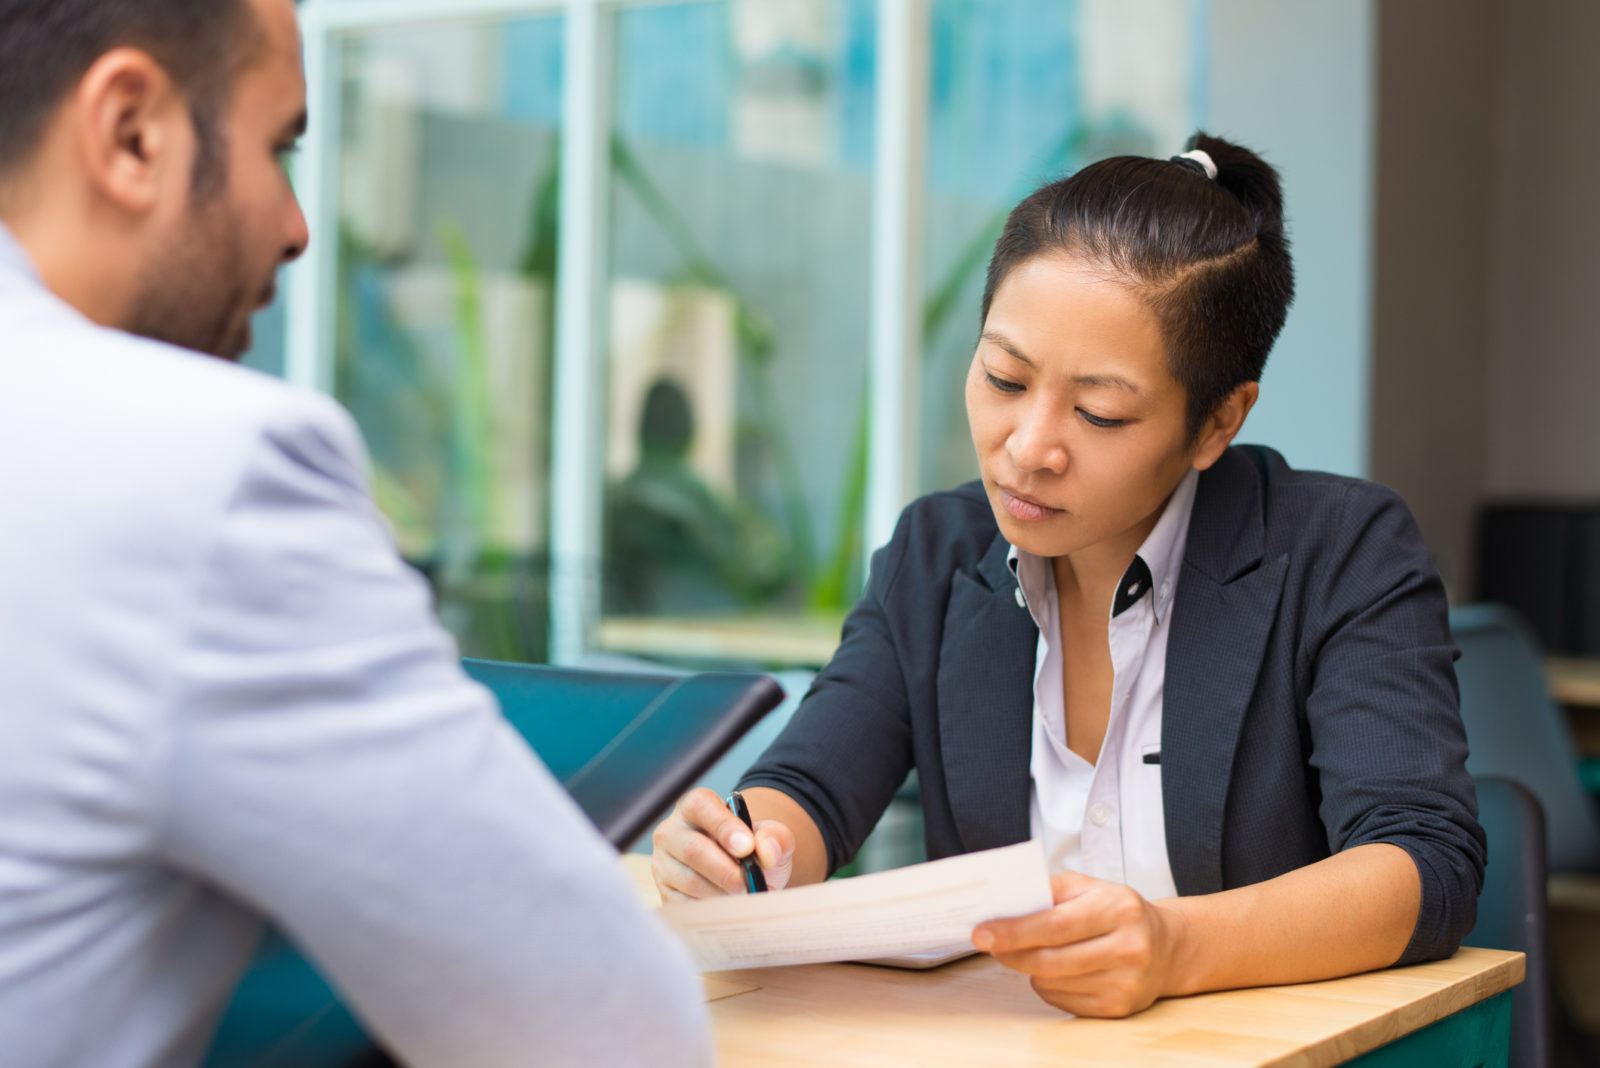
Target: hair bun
1251,179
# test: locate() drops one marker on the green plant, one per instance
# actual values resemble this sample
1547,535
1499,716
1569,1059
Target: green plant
478,560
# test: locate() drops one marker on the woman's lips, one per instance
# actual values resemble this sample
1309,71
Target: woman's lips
1024,509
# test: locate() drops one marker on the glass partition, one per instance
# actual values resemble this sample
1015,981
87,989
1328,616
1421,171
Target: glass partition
1023,91
737,323
447,203
267,349
729,467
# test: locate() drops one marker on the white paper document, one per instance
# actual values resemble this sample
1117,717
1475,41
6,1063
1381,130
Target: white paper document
924,908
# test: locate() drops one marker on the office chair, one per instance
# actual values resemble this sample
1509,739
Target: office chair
1513,912
624,745
1515,731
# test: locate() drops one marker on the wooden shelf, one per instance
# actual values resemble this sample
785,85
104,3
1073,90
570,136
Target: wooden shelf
1574,680
768,640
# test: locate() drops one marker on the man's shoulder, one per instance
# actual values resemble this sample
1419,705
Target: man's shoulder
150,445
207,389
179,410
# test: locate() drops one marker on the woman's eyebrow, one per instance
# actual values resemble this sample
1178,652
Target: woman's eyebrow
1102,381
1106,381
1007,344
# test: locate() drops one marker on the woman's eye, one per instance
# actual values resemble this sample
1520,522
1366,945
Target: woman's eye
1004,385
1100,421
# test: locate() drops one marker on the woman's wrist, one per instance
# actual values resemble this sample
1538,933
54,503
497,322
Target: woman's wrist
1183,933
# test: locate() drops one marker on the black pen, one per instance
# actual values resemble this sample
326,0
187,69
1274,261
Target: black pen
754,881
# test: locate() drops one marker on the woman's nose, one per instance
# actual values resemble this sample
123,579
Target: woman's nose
1036,444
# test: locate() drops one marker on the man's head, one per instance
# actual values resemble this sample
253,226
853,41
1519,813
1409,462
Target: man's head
141,157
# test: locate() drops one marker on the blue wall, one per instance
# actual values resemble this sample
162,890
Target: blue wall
1295,82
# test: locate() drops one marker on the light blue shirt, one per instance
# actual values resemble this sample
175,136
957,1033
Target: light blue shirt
224,698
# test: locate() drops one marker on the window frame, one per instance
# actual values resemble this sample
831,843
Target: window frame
578,390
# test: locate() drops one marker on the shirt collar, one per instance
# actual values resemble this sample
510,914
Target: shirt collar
13,260
1155,568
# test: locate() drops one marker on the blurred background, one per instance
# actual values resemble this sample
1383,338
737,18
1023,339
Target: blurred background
655,314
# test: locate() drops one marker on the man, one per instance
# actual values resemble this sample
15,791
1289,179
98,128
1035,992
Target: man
222,696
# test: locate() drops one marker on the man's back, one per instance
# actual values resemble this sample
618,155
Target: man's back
225,698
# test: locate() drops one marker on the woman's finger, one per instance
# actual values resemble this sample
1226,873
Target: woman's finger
1059,925
706,812
674,876
775,844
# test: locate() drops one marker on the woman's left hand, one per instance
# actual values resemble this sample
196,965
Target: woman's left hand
1102,950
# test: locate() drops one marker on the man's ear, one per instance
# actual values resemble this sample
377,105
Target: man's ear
133,130
1218,431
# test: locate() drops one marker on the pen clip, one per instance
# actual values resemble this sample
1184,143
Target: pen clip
754,881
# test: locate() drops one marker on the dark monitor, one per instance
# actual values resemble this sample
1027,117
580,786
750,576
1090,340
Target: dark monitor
626,745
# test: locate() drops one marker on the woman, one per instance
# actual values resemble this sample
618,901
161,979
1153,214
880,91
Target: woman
1219,690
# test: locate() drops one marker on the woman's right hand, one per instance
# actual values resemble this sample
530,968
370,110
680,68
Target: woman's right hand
697,849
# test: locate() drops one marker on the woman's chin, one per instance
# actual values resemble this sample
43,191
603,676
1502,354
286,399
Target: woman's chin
1039,537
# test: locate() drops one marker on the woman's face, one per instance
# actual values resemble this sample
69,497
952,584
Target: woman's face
1078,423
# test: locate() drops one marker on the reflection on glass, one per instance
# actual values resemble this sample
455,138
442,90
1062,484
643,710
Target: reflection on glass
738,310
446,257
674,541
1022,91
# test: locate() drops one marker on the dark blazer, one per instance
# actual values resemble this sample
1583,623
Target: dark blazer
1310,701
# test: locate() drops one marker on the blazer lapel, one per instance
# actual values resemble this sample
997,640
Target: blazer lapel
985,694
1224,612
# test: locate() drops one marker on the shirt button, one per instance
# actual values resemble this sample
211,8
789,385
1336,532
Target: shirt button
1166,586
1099,813
1022,602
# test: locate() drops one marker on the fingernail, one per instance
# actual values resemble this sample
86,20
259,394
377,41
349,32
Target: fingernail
740,842
982,940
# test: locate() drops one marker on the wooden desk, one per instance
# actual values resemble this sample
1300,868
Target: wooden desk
976,1012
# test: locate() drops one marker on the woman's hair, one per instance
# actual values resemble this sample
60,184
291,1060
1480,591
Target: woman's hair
1209,255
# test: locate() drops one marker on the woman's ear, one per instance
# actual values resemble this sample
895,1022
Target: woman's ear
1218,431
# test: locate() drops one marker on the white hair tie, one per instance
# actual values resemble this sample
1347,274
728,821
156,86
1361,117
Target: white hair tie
1203,158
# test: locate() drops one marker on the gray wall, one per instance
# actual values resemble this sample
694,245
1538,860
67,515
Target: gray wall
1431,315
1486,326
1294,81
1544,385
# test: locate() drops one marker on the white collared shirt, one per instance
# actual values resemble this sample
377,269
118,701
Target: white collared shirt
1106,819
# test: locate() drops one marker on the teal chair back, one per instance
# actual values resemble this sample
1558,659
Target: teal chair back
284,1014
1515,731
1514,912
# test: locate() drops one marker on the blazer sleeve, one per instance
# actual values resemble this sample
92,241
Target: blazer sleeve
1387,740
328,764
848,746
